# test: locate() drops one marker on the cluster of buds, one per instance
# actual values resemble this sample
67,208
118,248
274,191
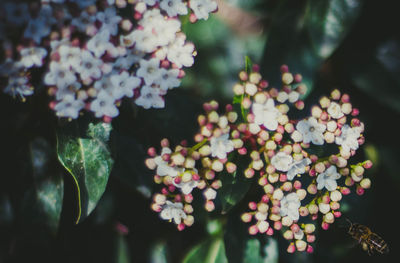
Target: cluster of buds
298,185
199,167
94,53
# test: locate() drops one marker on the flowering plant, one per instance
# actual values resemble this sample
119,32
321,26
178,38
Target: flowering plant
302,166
94,53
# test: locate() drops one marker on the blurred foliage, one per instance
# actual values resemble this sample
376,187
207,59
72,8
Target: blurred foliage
352,45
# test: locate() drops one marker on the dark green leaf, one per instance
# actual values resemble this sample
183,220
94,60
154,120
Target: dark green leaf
209,251
83,151
158,253
328,22
234,187
304,34
43,201
122,250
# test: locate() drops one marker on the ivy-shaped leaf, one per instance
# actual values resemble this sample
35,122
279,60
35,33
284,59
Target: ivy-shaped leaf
210,251
234,186
304,33
85,155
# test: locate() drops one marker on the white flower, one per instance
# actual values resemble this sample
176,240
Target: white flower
59,75
282,161
100,43
348,139
290,205
312,131
220,146
90,66
37,29
335,110
328,179
69,107
186,187
173,211
70,56
299,234
163,168
298,167
68,90
149,70
294,96
150,2
150,97
202,8
83,21
210,194
104,105
10,67
32,56
109,20
126,62
168,79
123,85
173,7
181,53
266,114
18,85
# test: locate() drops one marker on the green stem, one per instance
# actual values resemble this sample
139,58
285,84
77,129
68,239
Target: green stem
197,146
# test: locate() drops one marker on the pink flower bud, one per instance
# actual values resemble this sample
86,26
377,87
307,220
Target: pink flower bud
284,68
345,98
310,238
283,178
360,190
367,164
295,228
121,229
299,104
242,151
278,225
253,230
249,173
181,226
262,181
325,225
345,190
209,206
337,214
216,184
270,231
253,205
297,185
310,249
355,112
291,248
188,198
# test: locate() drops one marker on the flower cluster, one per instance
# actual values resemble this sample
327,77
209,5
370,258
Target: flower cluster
297,186
94,53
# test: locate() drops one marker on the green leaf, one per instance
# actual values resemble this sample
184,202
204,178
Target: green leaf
248,65
43,201
328,22
158,253
122,250
84,153
304,33
256,253
234,187
209,251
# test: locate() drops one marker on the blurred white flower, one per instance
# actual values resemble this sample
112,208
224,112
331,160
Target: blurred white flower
104,105
100,43
69,107
70,56
173,211
266,114
181,53
124,85
220,146
290,205
348,139
149,70
109,20
32,56
328,179
311,130
150,98
282,161
298,167
202,8
59,75
90,66
174,7
168,79
83,21
37,29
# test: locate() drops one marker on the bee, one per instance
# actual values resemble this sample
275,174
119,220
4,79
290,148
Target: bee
369,241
